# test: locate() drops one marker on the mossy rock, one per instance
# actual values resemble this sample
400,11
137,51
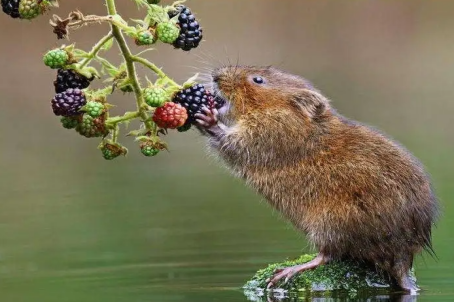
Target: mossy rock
340,280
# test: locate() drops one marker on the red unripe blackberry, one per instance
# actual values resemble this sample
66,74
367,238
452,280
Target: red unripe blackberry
69,102
68,78
170,115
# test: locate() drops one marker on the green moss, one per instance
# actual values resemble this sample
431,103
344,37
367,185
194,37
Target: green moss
341,280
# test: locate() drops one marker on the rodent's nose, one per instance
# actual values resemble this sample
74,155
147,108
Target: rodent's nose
216,77
217,74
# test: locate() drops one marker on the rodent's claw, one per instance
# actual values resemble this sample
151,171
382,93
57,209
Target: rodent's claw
286,273
291,271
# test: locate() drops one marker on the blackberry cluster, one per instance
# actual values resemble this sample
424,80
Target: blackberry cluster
68,78
69,102
190,30
11,8
194,98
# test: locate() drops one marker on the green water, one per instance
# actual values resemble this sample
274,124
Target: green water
160,229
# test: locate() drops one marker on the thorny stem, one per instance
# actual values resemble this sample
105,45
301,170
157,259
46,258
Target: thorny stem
132,75
115,132
126,117
155,69
89,19
94,51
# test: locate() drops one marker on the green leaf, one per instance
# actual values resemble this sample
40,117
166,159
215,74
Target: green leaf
108,45
139,133
142,23
141,3
191,81
108,67
80,53
144,51
90,71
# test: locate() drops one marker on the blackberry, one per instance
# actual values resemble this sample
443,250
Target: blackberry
190,31
92,127
185,127
149,149
194,98
145,38
111,151
94,109
155,96
29,9
11,7
70,122
167,32
68,103
170,115
68,78
56,58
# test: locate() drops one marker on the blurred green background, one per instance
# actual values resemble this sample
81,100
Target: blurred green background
178,227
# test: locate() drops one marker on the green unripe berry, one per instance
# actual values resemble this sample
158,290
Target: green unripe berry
108,154
94,109
111,151
91,127
148,150
69,122
185,127
145,38
167,32
56,58
30,9
155,96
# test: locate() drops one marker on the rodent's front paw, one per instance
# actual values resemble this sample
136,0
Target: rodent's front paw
208,122
208,118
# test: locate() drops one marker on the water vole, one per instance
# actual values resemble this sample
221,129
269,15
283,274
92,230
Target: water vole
354,192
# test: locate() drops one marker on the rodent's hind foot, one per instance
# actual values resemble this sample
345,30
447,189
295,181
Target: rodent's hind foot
408,285
291,271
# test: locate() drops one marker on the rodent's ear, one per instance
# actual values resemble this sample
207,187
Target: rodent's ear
313,103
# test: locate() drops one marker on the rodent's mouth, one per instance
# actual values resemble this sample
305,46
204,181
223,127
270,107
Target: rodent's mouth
220,99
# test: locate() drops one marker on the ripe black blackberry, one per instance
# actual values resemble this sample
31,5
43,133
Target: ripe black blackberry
11,7
68,103
194,98
190,30
68,78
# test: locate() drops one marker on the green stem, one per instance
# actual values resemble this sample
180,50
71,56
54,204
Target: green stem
115,133
126,117
155,69
128,57
95,50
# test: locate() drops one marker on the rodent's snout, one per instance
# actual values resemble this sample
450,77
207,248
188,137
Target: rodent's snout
216,75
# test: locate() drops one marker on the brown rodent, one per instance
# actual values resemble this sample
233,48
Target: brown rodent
354,192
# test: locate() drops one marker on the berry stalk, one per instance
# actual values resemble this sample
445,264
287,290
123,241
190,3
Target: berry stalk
96,48
156,70
132,75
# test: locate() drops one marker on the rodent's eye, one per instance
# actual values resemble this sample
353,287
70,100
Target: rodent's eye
258,80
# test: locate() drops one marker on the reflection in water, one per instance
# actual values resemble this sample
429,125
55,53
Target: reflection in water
259,295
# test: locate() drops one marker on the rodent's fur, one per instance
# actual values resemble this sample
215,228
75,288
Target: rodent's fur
354,192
